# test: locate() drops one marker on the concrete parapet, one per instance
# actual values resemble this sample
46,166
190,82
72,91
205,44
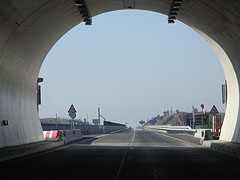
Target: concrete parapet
64,137
27,149
203,134
68,136
109,129
172,129
224,147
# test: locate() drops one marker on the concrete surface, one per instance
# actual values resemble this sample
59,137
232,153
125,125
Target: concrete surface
29,29
68,136
24,150
224,147
65,137
85,129
203,134
127,155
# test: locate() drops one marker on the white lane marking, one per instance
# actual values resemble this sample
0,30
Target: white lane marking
120,168
133,136
176,139
92,138
125,155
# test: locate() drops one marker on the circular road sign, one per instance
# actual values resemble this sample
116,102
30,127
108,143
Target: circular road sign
72,115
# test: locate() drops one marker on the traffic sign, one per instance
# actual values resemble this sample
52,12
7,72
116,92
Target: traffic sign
141,122
72,109
214,110
72,115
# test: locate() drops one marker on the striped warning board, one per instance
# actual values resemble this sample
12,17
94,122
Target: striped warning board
53,134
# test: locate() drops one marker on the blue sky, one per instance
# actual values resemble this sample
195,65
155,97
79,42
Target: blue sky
133,65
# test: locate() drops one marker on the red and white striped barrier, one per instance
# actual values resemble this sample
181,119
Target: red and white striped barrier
53,134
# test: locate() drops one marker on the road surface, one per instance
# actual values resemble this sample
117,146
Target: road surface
132,154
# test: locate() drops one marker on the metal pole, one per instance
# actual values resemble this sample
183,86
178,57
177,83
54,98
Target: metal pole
193,113
73,123
99,114
56,119
213,125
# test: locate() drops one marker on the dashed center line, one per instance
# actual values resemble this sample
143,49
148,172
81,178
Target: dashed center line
133,136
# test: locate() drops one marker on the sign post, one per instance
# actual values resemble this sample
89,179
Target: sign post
216,121
203,112
72,114
193,114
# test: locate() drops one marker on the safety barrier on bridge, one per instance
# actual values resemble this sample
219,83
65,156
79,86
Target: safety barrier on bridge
109,129
172,129
202,134
85,129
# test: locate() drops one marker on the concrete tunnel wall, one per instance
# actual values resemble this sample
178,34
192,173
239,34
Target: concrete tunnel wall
29,29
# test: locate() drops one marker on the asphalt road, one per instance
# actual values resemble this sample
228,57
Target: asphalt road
130,154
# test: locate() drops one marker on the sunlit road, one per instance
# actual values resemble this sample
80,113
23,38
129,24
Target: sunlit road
130,154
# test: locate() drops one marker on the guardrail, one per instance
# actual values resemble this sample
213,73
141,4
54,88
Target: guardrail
85,129
109,129
203,134
172,129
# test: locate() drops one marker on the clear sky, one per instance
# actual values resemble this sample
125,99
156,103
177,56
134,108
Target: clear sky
133,65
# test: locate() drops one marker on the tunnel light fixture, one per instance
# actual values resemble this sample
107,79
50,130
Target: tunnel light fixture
87,20
84,15
174,14
173,11
172,18
178,1
176,5
84,12
88,23
79,3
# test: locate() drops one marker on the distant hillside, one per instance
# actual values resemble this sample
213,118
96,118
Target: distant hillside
168,120
164,119
173,119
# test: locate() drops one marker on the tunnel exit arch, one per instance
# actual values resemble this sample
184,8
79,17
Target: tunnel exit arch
29,29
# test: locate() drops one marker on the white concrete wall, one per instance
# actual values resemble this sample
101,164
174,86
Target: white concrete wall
28,30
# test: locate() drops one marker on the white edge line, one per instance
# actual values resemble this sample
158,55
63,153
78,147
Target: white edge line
174,138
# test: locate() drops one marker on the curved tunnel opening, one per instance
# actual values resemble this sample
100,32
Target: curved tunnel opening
124,66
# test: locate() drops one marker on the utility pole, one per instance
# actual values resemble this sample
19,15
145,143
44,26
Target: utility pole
99,114
56,119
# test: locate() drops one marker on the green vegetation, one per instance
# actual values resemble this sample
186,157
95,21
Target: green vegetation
208,124
166,118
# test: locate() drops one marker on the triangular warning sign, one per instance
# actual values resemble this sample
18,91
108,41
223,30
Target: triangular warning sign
214,110
72,109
